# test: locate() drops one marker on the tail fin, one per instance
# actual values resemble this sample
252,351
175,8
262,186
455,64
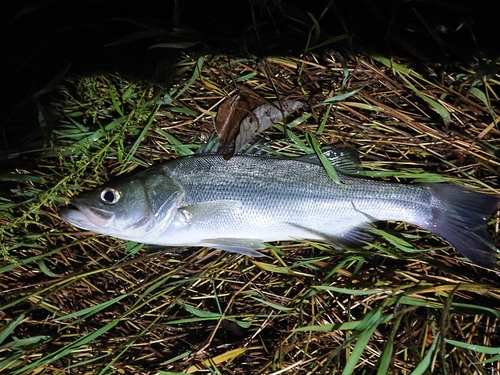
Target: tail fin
460,217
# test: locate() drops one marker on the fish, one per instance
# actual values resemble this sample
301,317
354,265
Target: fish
239,205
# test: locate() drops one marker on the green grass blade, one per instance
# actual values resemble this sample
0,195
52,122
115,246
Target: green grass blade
45,269
473,347
8,329
445,115
200,313
323,159
141,136
341,96
190,82
398,242
359,348
87,312
354,292
29,343
68,349
422,367
180,148
116,105
273,305
386,359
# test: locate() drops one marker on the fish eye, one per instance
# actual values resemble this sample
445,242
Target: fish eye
110,195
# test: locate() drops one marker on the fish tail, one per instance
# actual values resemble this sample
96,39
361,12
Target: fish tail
460,217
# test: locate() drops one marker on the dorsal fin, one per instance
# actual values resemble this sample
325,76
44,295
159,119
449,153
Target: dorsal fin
343,159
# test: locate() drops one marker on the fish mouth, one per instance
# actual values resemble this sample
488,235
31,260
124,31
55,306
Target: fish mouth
87,217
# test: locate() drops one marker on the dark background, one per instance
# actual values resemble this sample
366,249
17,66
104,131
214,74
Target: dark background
39,39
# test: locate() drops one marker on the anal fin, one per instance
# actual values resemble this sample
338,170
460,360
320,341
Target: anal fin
344,159
353,237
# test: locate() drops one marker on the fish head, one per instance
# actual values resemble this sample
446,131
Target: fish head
133,209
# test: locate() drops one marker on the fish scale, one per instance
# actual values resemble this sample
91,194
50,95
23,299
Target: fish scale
279,192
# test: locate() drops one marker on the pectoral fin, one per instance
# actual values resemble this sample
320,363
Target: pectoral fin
245,246
206,211
209,210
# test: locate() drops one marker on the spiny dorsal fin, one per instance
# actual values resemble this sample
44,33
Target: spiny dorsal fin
344,159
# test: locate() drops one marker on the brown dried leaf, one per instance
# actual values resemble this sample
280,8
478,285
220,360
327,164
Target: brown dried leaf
263,117
229,116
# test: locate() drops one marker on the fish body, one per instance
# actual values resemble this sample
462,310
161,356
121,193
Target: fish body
239,204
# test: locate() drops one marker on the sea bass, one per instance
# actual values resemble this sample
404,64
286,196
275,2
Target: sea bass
239,204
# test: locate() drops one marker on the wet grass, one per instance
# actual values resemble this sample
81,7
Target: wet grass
77,302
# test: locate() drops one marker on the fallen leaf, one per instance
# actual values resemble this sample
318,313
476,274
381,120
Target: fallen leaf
229,116
262,118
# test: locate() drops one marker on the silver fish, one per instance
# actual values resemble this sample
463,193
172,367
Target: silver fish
239,204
